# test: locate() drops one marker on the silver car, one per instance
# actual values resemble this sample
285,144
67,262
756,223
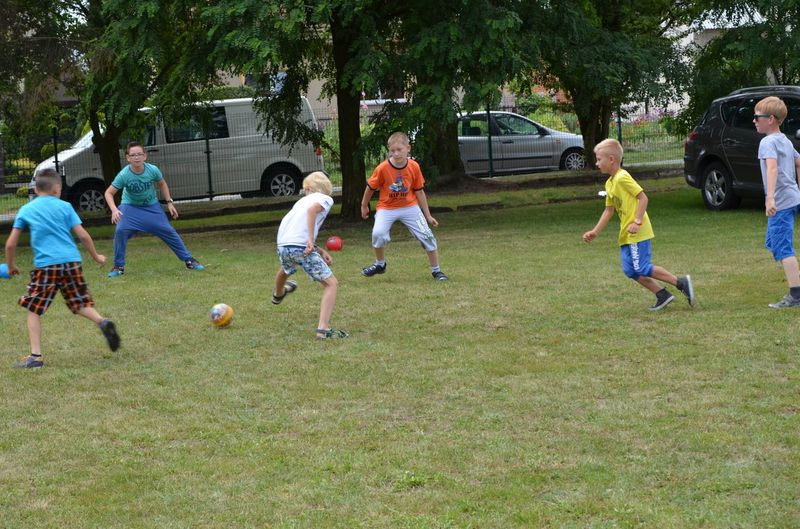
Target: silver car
518,145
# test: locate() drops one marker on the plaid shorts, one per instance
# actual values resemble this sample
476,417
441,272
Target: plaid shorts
313,264
66,277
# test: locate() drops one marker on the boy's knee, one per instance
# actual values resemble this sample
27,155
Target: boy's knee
379,240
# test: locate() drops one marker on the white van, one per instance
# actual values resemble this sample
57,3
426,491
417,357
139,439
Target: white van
240,160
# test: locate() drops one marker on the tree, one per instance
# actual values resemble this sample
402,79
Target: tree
758,44
606,53
436,50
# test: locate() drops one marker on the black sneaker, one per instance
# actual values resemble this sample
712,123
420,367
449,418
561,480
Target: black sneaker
686,288
662,301
786,302
30,362
110,332
373,269
194,264
288,288
439,276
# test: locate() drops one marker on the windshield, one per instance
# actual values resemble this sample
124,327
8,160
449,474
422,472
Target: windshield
84,141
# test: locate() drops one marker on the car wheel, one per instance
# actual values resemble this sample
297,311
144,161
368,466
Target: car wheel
717,188
573,160
88,197
280,181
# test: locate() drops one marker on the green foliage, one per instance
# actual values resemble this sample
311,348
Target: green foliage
48,150
21,192
548,119
762,47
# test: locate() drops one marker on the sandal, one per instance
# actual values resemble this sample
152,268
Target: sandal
290,287
325,334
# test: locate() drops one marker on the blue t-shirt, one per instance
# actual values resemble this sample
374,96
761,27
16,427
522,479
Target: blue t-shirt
780,148
50,221
138,189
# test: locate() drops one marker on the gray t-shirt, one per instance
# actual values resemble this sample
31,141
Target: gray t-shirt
779,147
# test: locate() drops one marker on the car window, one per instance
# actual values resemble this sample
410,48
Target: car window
727,110
149,135
513,125
474,126
743,118
193,128
791,124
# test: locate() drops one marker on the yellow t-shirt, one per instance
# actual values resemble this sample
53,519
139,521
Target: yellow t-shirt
621,192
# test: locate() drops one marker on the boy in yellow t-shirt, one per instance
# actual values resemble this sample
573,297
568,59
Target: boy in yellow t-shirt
626,196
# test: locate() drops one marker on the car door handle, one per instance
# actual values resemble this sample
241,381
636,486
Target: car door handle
152,150
507,141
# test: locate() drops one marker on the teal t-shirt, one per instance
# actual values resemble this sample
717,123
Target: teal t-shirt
50,221
138,189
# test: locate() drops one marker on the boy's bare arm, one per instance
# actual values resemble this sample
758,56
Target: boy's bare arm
11,251
641,208
590,235
797,170
422,198
173,211
88,243
311,220
368,192
772,182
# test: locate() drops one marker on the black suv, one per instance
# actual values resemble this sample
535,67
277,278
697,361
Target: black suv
721,153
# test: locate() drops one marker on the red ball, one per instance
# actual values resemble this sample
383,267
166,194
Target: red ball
334,244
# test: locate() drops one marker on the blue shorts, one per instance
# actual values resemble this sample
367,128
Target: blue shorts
292,256
635,259
780,233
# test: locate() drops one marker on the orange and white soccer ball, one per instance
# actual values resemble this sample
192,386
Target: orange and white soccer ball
221,315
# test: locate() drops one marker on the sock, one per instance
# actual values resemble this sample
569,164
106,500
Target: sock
795,292
36,355
380,262
681,284
662,294
435,269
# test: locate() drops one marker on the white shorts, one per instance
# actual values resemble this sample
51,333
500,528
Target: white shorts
413,219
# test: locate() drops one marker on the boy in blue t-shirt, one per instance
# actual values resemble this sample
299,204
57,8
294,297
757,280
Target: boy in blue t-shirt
780,167
57,263
140,211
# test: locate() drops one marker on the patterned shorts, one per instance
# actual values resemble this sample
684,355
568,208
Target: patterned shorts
313,264
66,277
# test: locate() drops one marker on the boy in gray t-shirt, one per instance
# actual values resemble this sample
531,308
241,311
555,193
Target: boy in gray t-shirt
780,165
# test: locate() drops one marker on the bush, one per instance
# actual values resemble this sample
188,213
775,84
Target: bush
47,150
22,192
548,119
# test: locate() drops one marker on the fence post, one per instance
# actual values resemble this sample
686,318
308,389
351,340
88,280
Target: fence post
489,139
2,168
619,125
55,147
208,161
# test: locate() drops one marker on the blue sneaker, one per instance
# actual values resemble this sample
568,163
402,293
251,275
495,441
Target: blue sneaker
116,271
194,264
30,362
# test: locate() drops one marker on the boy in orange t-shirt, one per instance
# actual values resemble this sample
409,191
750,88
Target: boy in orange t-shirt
402,197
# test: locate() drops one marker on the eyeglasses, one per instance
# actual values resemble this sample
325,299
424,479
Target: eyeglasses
757,116
137,155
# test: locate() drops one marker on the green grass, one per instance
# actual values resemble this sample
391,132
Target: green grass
534,389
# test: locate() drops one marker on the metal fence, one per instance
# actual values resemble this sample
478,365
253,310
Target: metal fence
229,157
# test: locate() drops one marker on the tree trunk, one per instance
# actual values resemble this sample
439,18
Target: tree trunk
107,144
445,157
347,106
594,123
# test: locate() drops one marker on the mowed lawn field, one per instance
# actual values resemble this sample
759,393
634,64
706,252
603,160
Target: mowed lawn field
534,389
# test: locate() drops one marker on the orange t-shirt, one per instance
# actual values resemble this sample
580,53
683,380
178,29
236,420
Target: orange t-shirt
398,187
